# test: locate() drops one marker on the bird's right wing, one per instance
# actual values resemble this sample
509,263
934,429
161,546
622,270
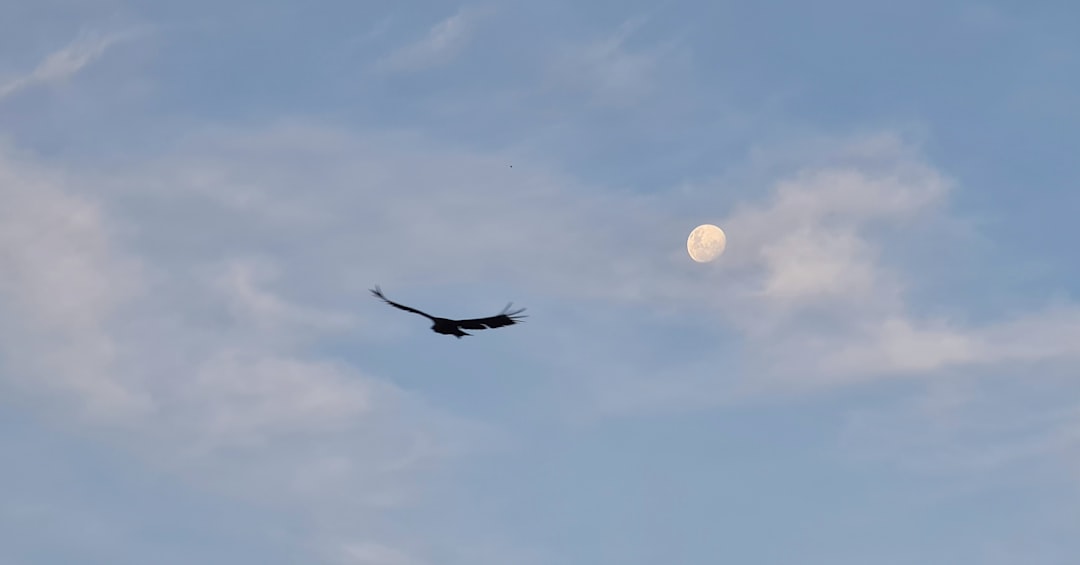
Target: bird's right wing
504,318
378,293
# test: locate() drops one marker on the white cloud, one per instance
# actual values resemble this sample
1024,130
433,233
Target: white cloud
442,43
247,397
609,71
804,271
809,293
218,321
66,62
61,287
822,287
985,424
241,284
197,363
369,553
906,346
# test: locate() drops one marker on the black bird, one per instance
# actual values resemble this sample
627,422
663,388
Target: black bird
453,327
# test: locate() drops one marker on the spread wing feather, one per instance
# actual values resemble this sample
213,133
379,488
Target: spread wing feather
378,292
504,318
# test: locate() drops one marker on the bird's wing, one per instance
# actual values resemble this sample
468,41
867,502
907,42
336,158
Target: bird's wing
378,293
504,318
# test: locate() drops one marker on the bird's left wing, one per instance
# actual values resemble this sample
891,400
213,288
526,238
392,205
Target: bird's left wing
378,292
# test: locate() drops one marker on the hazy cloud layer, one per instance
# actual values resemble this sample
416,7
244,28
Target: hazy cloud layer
211,354
200,367
191,293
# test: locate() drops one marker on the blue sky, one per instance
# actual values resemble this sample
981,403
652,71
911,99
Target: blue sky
881,369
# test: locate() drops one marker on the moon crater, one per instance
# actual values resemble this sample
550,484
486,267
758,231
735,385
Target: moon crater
706,242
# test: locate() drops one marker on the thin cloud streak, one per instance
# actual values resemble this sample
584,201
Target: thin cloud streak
67,62
443,42
611,73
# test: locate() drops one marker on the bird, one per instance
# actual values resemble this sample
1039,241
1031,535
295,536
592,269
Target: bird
447,326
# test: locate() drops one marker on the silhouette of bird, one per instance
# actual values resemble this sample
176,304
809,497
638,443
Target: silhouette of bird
453,327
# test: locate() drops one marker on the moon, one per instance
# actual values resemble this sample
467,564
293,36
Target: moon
706,242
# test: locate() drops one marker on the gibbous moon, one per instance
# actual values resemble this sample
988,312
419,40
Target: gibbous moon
706,243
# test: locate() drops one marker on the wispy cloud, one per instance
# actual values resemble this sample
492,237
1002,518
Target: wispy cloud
963,425
185,318
67,62
824,286
368,553
611,71
806,274
188,366
805,265
218,343
63,283
242,283
442,43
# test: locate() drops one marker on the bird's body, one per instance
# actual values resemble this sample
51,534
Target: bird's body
447,326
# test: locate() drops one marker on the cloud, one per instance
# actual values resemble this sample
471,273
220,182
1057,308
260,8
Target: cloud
219,328
609,71
197,363
442,43
62,285
807,290
989,425
914,347
66,62
821,285
807,239
805,269
242,284
368,553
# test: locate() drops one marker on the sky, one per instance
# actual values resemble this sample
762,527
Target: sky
196,197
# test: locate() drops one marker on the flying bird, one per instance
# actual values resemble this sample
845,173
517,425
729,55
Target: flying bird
453,327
